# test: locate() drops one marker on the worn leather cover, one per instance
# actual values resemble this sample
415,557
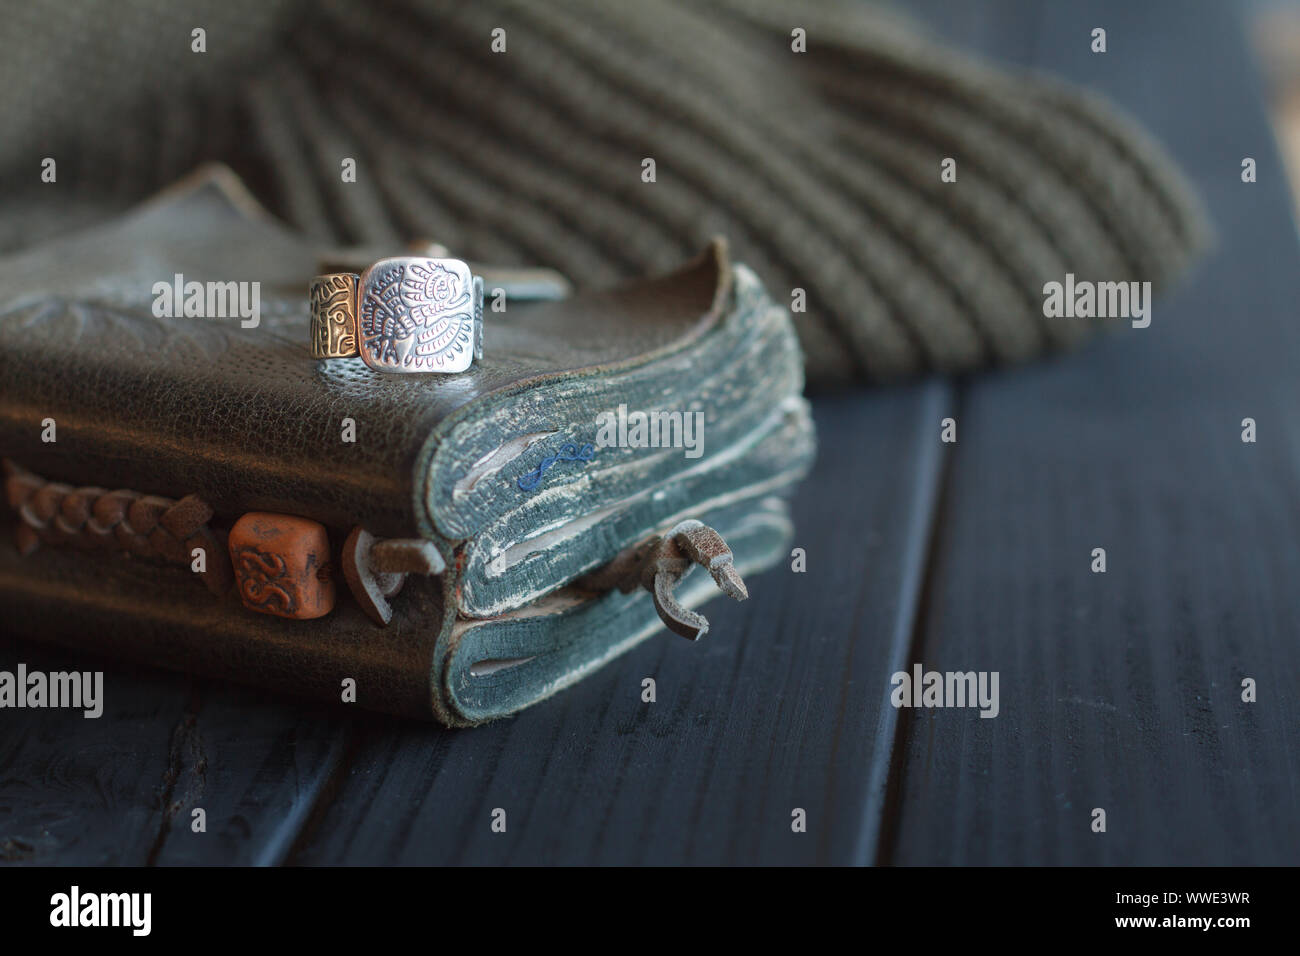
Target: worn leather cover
243,416
245,419
426,664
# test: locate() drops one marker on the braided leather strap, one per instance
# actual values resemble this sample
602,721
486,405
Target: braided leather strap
146,526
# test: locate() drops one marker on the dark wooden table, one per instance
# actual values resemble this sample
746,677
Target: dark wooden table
1119,690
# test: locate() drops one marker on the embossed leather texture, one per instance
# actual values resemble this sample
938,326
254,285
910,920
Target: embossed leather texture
498,466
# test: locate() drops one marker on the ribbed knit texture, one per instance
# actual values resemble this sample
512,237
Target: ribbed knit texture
822,168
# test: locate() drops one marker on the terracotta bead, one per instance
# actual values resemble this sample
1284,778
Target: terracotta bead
282,564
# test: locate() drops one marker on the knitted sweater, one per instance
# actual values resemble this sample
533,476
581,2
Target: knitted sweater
813,136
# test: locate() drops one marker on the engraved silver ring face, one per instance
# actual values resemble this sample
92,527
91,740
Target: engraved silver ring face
417,314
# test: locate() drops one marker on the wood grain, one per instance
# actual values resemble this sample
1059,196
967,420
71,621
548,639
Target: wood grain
1123,690
120,789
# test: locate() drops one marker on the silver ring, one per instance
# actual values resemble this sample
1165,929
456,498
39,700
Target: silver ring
403,314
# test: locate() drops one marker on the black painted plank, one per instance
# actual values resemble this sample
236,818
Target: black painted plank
1122,690
781,707
79,790
120,789
257,765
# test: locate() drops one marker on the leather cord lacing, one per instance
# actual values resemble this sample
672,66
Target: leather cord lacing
146,526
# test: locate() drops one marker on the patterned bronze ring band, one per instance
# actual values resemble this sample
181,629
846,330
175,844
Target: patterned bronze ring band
404,314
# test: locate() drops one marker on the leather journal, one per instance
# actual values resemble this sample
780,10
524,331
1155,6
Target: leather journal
187,487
